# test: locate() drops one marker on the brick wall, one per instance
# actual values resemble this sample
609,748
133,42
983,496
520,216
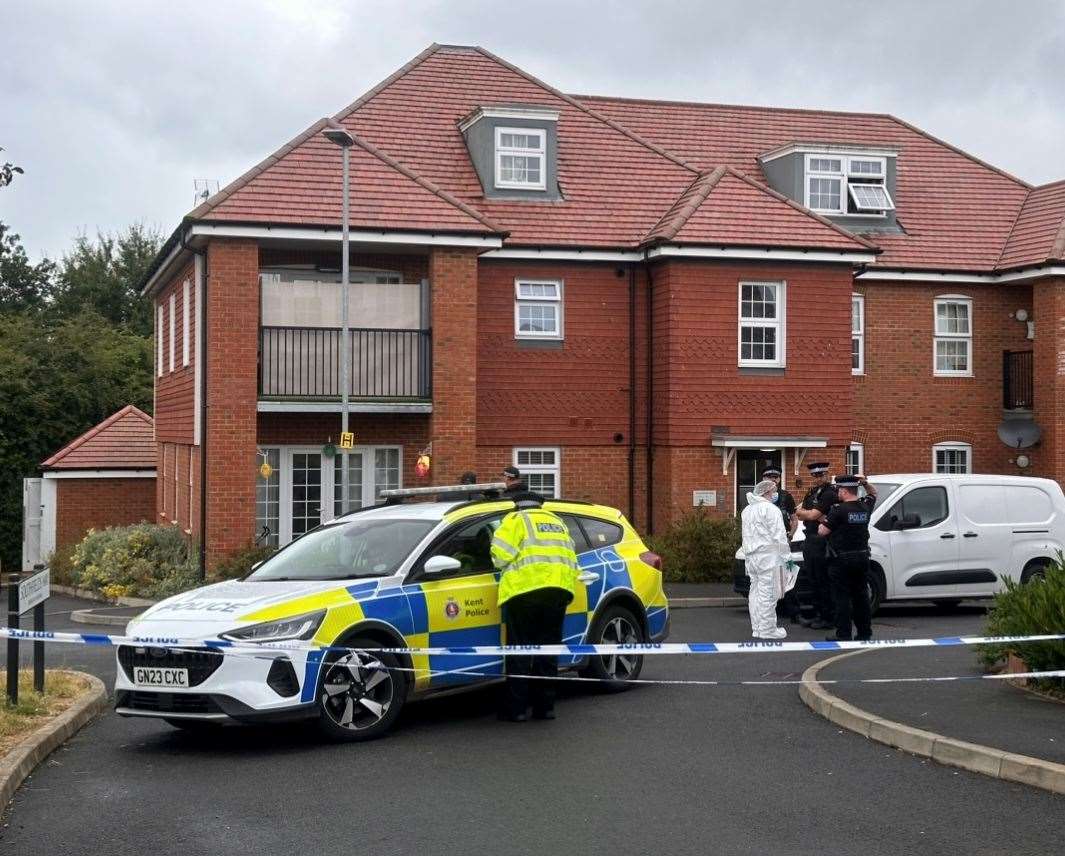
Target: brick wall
453,277
232,393
1049,375
174,390
84,504
902,409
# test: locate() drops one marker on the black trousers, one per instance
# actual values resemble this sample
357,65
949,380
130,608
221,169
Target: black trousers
534,618
851,596
816,565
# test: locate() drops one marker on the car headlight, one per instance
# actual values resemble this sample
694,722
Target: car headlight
297,627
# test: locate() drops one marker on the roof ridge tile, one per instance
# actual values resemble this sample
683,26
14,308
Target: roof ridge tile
678,214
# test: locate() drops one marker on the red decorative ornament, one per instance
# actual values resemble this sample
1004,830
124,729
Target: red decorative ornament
421,468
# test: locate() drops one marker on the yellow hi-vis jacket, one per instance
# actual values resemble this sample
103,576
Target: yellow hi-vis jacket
533,550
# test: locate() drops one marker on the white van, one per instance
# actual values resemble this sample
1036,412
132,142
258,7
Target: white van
948,537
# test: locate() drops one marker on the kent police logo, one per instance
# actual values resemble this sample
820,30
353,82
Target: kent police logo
451,608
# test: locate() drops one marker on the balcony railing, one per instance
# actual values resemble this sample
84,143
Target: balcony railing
304,363
1017,380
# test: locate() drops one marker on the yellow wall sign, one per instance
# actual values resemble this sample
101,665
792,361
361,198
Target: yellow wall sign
347,441
266,470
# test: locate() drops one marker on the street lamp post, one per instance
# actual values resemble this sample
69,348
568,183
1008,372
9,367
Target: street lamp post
343,139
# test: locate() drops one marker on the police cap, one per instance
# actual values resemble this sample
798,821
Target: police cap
512,472
771,471
849,482
817,469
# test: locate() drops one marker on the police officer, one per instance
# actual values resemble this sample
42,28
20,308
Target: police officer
534,553
846,528
516,487
788,606
816,504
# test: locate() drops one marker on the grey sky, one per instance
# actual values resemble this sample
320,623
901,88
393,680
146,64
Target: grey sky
114,108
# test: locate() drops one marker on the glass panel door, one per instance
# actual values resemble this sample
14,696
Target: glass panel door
355,486
268,498
306,491
750,465
386,471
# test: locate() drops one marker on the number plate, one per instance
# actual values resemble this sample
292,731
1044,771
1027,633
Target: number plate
145,676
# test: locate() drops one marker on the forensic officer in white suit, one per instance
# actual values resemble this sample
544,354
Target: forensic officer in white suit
765,548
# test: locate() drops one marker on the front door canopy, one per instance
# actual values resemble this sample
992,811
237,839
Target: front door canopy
729,443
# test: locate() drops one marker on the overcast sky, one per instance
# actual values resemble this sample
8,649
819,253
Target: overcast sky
113,108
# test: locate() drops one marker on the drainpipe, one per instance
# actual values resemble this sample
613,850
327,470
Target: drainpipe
632,391
650,401
202,323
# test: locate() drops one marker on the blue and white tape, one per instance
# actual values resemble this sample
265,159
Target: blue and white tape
645,648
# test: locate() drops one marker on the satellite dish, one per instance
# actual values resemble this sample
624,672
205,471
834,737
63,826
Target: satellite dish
1019,433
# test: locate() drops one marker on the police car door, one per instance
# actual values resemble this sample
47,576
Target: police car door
458,610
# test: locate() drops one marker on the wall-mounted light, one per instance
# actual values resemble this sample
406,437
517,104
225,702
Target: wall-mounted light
1021,314
1023,461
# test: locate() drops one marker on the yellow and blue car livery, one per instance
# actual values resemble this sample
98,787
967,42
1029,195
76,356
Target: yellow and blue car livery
407,608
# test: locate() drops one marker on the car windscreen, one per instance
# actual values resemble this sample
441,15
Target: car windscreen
362,547
883,491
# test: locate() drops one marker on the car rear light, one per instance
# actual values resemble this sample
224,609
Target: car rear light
652,559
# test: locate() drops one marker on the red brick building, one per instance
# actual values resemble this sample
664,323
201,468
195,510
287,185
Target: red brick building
637,302
105,477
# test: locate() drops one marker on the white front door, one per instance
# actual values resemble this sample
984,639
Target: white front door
924,560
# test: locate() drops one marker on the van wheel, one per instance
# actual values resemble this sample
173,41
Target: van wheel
1035,571
360,693
872,584
615,625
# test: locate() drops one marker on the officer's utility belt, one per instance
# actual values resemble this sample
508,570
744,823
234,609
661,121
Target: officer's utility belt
846,554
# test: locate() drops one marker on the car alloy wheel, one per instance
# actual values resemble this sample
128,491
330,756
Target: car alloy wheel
615,626
358,695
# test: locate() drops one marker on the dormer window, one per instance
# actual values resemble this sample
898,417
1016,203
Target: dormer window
847,184
520,154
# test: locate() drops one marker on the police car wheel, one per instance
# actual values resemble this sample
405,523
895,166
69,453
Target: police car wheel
615,626
360,693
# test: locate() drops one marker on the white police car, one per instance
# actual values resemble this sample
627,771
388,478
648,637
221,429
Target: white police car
411,575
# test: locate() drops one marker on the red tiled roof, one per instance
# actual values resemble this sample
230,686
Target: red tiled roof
303,184
1039,233
627,169
956,210
123,441
725,207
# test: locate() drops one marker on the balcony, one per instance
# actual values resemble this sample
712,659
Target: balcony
1017,380
300,341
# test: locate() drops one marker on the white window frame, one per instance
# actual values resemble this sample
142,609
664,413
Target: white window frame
953,447
557,302
540,152
160,316
877,211
859,334
937,336
860,449
543,469
846,176
780,324
186,307
172,328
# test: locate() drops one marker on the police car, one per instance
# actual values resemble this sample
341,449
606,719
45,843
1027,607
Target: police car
398,574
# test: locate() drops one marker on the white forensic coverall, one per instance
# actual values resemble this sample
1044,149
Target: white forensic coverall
765,548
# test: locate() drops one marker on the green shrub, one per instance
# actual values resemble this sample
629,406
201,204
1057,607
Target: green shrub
145,560
239,564
698,548
61,568
1030,610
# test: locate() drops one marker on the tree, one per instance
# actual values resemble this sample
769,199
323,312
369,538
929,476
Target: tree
57,381
102,275
8,171
24,287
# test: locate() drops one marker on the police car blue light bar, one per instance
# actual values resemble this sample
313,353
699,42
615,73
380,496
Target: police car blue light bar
398,493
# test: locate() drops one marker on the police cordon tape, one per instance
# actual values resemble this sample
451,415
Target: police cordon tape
642,648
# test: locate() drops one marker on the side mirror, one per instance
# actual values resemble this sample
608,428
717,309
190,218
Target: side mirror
909,521
436,565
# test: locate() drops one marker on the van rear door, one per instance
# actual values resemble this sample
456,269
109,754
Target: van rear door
985,539
1034,514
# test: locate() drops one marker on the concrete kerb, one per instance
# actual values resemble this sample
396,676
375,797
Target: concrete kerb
704,602
39,744
89,594
100,618
987,760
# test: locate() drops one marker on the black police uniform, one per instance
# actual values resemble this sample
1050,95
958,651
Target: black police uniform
848,564
822,497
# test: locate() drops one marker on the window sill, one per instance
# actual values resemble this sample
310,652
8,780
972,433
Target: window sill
534,344
955,375
762,370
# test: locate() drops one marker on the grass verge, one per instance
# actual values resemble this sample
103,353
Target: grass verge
34,709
